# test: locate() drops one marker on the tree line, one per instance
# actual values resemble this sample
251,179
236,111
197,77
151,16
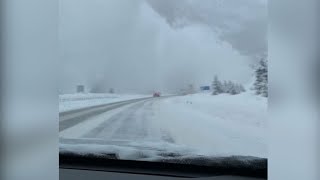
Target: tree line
260,85
229,87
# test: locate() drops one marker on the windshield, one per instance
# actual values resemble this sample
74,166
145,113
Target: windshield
163,80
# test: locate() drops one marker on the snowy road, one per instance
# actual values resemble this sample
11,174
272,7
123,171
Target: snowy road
71,118
132,124
204,123
130,121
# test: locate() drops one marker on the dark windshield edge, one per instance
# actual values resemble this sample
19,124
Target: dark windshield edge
174,167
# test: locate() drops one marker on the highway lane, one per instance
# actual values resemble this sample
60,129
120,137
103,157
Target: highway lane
71,118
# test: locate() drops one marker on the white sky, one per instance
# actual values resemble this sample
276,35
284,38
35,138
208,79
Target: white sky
129,46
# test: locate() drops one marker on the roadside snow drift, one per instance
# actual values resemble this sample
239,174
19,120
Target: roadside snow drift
216,125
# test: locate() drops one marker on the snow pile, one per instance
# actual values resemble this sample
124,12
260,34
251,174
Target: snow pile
69,102
127,150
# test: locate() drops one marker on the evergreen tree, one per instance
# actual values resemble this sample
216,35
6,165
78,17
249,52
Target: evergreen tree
229,87
261,82
224,86
216,86
237,88
242,88
233,89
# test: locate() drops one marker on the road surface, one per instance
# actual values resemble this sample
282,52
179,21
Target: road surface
129,120
71,118
131,124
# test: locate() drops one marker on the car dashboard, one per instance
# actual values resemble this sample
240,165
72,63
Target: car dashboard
70,174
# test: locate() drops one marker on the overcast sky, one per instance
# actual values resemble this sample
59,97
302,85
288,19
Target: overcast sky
145,45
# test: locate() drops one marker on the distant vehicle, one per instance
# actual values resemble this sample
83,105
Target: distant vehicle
156,94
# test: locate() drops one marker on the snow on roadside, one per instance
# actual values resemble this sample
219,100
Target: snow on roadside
69,102
217,125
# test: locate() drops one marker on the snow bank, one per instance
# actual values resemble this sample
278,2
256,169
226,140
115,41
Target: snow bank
76,101
126,150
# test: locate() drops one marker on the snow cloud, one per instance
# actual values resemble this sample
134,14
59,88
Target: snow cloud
142,45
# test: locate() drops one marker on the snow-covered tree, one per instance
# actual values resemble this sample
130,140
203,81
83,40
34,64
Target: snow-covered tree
233,89
228,87
224,86
242,88
217,86
261,75
236,88
239,88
